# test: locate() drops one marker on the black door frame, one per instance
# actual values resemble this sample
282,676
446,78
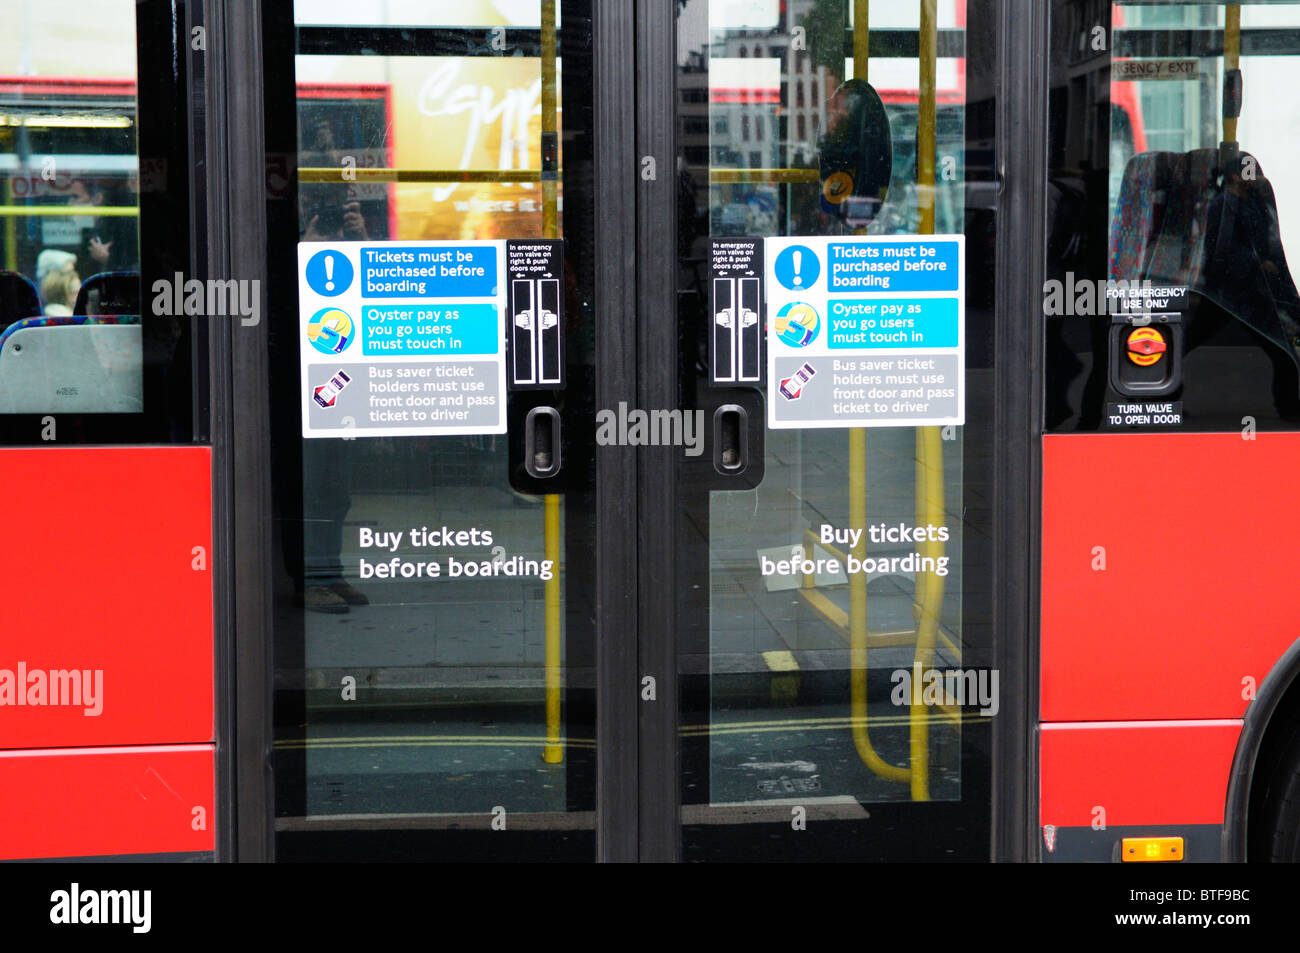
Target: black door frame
637,809
236,195
1023,50
236,190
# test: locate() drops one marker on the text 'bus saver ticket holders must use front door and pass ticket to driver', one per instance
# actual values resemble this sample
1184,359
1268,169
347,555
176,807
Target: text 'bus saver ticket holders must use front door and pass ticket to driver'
408,338
865,331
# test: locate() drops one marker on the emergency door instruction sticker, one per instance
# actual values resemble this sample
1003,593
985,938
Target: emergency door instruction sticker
536,313
402,338
736,310
865,331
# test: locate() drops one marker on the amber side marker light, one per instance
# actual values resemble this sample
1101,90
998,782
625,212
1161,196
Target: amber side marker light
1135,849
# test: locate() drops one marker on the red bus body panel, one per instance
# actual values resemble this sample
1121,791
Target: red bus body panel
98,549
1137,772
1199,595
77,802
1149,663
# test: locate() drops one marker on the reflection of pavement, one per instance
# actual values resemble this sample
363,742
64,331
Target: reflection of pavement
450,709
459,622
760,755
469,652
440,762
764,639
806,484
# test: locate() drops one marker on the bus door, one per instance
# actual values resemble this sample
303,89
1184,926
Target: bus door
431,224
633,430
831,555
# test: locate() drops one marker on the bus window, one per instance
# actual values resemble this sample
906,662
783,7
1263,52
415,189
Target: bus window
70,333
1200,211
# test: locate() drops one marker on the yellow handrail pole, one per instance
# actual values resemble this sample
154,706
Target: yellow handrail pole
11,232
553,750
861,38
925,117
764,176
858,615
315,174
858,517
929,446
1231,57
550,180
69,211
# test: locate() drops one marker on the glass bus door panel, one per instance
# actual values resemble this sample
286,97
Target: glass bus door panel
434,645
823,601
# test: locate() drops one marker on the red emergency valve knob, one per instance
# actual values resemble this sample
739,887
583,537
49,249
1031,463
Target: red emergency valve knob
1145,346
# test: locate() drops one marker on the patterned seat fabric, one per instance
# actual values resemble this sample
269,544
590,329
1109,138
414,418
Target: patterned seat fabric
69,321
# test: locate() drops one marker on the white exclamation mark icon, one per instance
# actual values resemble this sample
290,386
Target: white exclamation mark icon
798,267
329,272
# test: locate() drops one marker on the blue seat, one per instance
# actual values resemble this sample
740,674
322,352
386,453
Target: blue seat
18,298
109,292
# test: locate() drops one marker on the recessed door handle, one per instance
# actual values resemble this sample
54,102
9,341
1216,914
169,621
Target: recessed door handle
730,446
542,442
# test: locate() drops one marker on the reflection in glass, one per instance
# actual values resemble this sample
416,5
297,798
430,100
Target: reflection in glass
798,692
439,703
70,331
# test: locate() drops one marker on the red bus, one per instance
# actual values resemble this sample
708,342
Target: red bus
1004,578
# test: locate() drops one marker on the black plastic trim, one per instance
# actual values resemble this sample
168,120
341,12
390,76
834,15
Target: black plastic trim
617,750
1024,45
658,388
543,443
1082,845
741,462
242,418
416,41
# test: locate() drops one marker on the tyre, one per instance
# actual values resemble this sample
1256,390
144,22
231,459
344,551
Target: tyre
1280,806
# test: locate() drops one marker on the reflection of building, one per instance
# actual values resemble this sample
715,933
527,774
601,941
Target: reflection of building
693,110
755,103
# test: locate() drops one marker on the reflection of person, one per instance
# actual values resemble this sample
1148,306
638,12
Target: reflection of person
331,213
58,281
111,243
328,213
327,497
327,467
336,223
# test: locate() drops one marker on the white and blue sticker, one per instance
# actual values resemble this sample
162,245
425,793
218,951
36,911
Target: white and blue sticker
416,328
865,331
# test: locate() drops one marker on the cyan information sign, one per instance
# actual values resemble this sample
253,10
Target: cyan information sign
865,331
402,338
400,270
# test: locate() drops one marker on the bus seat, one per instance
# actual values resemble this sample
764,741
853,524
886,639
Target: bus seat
109,292
1139,213
75,364
1245,268
1180,220
18,298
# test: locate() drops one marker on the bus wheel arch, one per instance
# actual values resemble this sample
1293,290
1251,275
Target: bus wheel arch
1266,765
